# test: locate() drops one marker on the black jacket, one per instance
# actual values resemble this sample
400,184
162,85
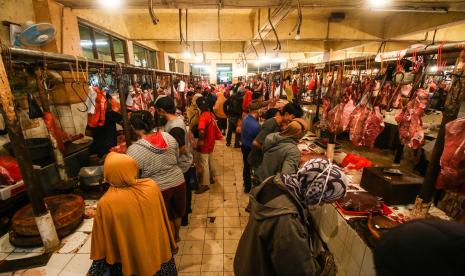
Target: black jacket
233,106
276,240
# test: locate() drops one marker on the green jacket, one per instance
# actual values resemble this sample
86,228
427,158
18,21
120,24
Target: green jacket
281,155
276,240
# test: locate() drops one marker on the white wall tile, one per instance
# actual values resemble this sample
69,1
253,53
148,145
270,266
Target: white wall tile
368,266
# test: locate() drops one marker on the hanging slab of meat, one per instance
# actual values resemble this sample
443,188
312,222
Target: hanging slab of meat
357,124
376,89
139,100
410,120
396,100
405,90
453,157
335,118
348,109
384,97
374,125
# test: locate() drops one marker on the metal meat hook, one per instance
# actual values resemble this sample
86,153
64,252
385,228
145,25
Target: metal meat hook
73,87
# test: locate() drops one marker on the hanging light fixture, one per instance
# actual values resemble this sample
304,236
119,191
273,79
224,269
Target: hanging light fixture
111,4
186,54
378,3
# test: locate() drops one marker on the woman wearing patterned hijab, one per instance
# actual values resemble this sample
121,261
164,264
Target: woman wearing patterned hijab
278,237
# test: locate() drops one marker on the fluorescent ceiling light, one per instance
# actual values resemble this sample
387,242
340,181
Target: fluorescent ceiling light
89,43
223,68
267,59
186,54
378,3
111,4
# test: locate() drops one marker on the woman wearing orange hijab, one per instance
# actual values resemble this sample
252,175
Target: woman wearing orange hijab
131,233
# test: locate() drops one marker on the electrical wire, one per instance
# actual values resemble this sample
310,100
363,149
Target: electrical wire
298,24
154,17
278,43
181,37
260,32
186,30
253,46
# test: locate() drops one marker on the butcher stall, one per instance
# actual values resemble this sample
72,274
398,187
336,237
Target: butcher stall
51,156
398,135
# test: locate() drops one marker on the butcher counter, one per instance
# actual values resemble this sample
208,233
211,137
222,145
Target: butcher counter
351,251
346,236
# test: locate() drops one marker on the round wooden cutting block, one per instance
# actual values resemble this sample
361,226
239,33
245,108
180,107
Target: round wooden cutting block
66,210
36,241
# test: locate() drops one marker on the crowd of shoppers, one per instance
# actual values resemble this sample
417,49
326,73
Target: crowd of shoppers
174,158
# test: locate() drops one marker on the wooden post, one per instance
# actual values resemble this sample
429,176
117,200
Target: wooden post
34,191
124,109
450,113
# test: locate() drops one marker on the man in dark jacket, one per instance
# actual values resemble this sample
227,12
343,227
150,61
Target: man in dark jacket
233,109
277,239
281,154
272,125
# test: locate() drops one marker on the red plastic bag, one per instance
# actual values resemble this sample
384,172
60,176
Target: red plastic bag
11,165
356,162
52,127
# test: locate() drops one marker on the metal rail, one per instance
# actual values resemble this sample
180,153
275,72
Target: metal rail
54,59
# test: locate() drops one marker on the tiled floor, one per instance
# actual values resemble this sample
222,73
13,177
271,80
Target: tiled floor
208,244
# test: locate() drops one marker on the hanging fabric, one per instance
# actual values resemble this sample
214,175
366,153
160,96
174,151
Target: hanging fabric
98,117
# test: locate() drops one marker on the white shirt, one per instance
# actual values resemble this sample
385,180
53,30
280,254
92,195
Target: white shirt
181,86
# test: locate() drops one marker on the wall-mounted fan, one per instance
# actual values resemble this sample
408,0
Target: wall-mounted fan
35,34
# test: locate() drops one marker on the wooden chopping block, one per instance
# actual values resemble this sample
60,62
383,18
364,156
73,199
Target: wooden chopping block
66,210
394,189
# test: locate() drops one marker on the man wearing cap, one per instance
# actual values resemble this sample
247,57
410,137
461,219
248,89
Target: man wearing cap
250,129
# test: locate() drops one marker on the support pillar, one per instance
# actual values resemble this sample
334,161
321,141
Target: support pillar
42,216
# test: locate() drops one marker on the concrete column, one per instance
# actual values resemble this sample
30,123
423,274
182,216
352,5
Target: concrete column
71,38
130,46
161,60
213,72
50,12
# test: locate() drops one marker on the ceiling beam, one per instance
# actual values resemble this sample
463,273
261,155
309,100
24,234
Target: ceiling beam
255,4
401,24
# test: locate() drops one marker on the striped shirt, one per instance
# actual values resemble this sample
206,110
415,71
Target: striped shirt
160,165
185,160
